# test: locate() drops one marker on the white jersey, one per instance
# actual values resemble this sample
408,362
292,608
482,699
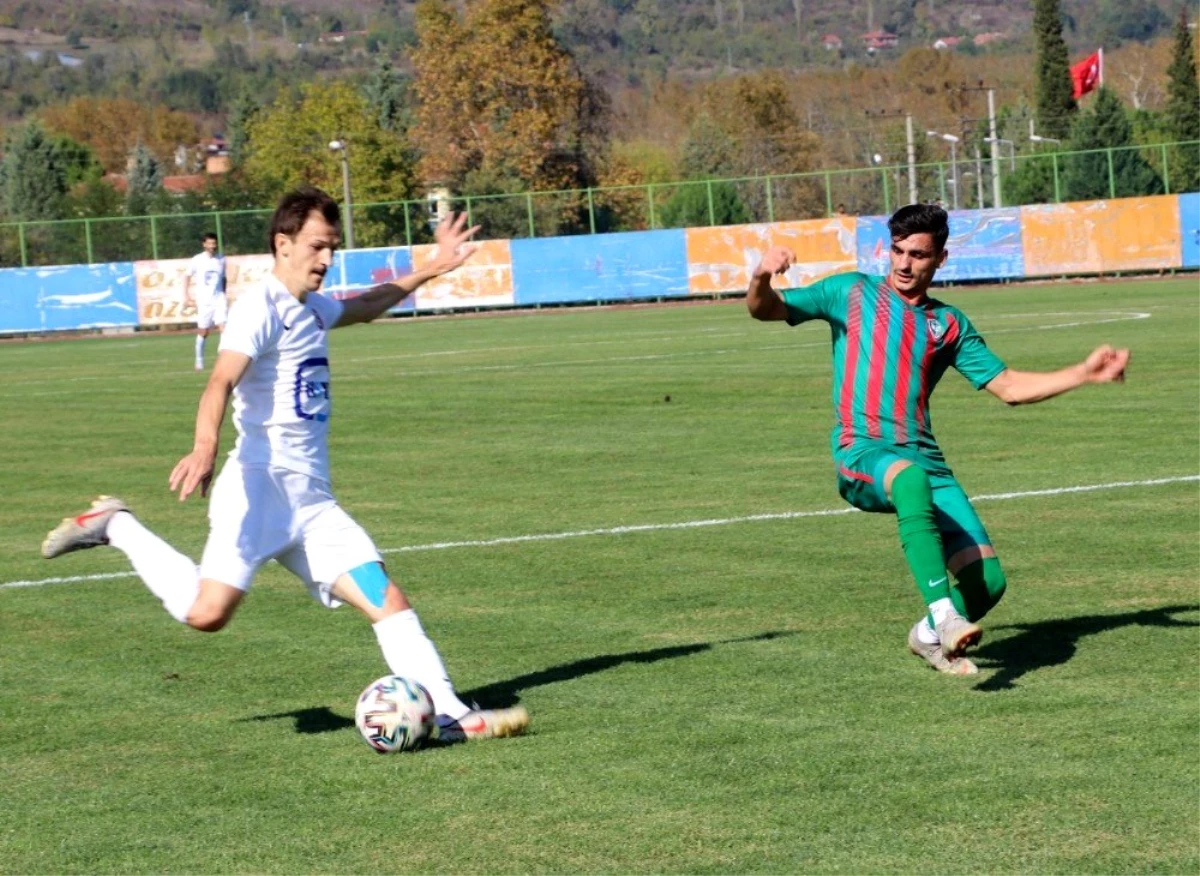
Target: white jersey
207,273
281,407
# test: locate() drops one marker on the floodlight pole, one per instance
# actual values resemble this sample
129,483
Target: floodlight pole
341,146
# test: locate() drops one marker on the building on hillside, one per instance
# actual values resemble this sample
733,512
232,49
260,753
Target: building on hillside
877,40
832,42
986,39
944,44
340,36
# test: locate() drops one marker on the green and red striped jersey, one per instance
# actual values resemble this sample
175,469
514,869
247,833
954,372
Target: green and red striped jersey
888,356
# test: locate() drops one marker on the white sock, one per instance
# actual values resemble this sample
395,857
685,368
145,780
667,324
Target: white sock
411,653
926,634
170,575
199,349
941,609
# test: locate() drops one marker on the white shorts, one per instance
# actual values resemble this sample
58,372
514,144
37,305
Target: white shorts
261,514
210,311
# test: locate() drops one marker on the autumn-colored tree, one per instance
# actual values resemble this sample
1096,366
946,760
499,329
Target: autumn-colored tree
289,145
113,127
501,100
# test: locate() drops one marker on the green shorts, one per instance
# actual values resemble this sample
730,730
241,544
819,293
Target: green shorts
860,472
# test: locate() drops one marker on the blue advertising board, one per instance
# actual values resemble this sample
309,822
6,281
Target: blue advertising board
68,297
356,270
625,266
1189,228
983,245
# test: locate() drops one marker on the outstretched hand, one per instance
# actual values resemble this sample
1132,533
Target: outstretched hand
194,470
451,236
1106,365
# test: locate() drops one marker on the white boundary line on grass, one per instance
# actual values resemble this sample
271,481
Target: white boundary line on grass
659,527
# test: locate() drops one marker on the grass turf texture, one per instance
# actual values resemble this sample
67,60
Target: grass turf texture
732,698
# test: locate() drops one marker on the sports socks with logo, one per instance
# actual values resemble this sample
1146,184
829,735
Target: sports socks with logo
922,542
411,653
200,351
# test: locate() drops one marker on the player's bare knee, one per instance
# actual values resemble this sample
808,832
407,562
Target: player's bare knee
207,620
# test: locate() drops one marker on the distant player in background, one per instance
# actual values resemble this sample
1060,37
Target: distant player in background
891,345
273,498
204,286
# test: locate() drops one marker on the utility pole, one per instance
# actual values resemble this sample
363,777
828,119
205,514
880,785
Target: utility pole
910,148
992,140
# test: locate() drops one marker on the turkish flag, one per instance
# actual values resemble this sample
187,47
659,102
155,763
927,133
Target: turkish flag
1085,76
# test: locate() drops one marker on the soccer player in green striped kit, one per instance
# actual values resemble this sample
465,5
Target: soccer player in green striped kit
891,345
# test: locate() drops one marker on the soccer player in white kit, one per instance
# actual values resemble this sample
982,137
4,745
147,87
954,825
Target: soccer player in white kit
272,499
204,286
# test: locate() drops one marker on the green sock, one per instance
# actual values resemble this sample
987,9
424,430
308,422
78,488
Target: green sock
919,535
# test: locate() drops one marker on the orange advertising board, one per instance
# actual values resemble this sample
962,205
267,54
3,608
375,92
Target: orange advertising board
160,294
1093,237
721,259
485,280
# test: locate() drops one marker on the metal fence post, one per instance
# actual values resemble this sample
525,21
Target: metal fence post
712,214
154,237
887,200
220,234
591,212
770,202
1112,181
87,236
1057,187
529,213
828,195
1166,170
407,225
650,196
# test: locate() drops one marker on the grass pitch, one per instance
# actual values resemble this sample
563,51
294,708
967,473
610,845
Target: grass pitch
731,697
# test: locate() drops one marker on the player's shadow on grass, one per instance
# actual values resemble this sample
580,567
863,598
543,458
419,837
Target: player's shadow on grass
501,694
1053,642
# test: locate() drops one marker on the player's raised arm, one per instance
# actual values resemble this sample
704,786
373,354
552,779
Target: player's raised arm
452,236
762,300
196,469
1103,365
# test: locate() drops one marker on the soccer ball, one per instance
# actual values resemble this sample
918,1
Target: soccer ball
394,714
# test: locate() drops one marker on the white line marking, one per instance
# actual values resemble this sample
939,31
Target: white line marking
660,527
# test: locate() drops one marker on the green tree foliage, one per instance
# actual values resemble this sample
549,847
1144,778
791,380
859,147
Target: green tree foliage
707,153
1086,175
1183,110
289,145
499,98
34,175
386,91
143,181
1055,105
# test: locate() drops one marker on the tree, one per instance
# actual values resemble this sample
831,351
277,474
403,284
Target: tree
1183,110
143,181
707,153
1055,105
34,177
112,127
386,91
289,145
1086,175
499,98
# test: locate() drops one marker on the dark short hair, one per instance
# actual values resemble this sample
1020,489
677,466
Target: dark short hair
921,219
296,206
208,235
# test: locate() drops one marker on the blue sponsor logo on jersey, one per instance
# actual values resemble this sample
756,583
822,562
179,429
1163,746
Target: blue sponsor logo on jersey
311,390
